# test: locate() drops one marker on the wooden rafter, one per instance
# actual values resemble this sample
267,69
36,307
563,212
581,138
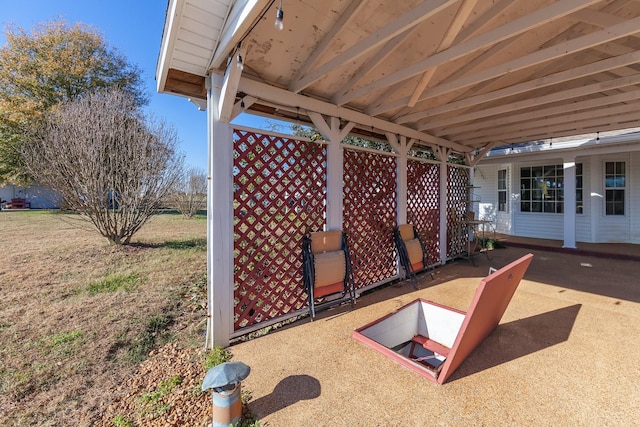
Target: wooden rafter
534,102
458,74
410,19
343,21
461,17
511,29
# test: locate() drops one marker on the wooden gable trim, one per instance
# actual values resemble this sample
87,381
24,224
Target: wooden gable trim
186,84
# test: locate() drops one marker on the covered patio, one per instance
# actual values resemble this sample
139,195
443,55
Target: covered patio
565,353
434,84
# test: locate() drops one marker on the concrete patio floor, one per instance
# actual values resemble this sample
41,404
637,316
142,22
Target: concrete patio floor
567,352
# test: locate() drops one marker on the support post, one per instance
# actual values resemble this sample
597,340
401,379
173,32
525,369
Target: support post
443,154
401,147
335,166
569,167
402,181
219,220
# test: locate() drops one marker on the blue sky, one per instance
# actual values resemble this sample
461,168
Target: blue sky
134,27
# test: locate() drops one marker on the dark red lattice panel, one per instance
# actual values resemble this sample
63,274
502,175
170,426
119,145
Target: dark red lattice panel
279,189
423,204
369,214
457,190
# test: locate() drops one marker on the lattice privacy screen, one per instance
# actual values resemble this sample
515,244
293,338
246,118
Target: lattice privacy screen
369,214
279,190
457,191
423,204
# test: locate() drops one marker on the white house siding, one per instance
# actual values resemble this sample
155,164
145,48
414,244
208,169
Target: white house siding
43,198
487,205
486,178
634,193
612,228
583,220
6,193
39,197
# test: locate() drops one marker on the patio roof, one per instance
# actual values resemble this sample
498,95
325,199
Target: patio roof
460,74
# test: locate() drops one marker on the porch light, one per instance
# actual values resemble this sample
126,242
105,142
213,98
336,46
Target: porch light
239,63
279,17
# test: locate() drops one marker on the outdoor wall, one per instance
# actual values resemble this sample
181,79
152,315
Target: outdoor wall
487,196
43,198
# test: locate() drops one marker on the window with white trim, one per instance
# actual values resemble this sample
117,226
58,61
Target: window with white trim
614,187
542,189
579,189
502,191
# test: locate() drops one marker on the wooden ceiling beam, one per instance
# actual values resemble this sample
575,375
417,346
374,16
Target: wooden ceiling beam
484,135
279,96
540,17
372,63
343,21
539,83
572,46
419,14
488,18
551,98
459,19
596,124
506,120
499,122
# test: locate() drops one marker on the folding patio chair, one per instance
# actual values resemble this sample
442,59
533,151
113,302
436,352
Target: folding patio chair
326,265
414,258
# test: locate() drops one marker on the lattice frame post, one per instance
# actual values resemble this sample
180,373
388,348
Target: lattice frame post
334,135
444,225
219,222
401,146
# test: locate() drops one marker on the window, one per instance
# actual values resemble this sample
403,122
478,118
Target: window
579,189
542,189
502,191
614,184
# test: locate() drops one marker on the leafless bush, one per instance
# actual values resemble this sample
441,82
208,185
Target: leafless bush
112,164
191,192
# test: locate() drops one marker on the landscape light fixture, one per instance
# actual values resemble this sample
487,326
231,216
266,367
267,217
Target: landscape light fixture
279,17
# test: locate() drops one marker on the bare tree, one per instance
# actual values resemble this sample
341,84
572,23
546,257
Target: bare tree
111,163
191,192
55,62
